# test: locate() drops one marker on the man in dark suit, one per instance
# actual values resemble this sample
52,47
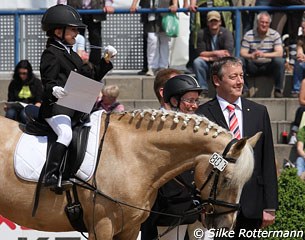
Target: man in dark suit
259,196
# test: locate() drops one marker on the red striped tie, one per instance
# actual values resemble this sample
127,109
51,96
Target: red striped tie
233,122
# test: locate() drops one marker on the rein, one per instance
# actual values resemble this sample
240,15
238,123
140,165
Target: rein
211,201
197,210
76,180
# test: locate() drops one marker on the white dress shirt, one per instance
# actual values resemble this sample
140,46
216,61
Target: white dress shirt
238,112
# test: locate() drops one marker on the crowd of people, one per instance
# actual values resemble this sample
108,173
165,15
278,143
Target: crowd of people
261,52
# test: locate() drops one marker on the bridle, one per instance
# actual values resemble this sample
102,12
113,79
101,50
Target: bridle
208,204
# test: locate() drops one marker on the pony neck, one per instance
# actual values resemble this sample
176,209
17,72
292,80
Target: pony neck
162,144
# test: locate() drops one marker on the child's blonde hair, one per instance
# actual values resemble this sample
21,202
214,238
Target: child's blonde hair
111,91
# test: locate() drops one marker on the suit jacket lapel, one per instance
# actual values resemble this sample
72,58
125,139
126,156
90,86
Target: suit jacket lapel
217,114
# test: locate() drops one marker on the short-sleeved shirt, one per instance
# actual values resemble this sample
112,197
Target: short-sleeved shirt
79,44
301,135
252,41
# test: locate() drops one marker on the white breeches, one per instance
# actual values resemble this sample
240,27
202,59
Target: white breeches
61,125
157,50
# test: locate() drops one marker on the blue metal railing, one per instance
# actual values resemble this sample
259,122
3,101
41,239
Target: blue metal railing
236,10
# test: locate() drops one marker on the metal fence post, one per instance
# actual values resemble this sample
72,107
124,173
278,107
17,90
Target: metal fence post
16,37
237,32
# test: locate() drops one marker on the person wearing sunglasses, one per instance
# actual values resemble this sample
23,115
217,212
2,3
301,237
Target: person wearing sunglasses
181,93
24,88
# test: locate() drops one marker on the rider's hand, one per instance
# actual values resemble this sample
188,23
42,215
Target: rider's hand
109,52
59,92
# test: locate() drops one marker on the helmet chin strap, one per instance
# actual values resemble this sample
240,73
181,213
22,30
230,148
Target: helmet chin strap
175,108
62,37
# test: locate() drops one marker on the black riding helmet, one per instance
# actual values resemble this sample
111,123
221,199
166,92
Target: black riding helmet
61,16
178,86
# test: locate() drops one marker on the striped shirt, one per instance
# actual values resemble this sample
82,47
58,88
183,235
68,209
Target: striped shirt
252,42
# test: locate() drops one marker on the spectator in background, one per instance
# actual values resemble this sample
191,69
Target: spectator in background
142,4
294,19
194,28
133,8
157,40
247,17
26,88
299,66
298,115
108,100
262,52
79,47
213,42
93,22
300,162
160,80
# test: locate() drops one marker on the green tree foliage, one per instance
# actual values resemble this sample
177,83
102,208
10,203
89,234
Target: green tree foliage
291,213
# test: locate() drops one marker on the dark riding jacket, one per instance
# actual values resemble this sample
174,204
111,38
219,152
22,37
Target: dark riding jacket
55,66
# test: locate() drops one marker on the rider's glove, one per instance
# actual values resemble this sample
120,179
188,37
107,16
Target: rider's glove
109,52
59,92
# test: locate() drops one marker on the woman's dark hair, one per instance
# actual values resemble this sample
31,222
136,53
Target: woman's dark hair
26,65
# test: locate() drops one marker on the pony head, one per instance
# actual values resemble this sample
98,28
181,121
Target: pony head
220,191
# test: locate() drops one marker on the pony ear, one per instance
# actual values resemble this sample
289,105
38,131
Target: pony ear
253,140
238,146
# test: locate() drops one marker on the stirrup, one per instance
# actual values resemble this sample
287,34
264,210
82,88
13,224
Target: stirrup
60,185
65,185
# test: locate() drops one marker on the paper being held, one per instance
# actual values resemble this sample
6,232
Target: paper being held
82,92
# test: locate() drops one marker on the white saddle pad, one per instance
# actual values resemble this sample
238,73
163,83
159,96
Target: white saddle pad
30,153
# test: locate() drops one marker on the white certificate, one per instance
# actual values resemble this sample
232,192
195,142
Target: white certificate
82,93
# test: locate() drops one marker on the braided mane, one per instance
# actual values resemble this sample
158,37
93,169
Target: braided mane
243,169
178,117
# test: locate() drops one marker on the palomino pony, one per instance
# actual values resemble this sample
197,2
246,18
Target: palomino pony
142,150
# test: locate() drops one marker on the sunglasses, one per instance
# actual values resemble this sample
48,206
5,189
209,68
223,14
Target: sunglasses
191,101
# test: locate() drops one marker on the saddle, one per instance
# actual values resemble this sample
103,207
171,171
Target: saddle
71,163
76,150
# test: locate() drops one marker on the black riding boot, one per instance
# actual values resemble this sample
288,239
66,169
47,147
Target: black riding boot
55,156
